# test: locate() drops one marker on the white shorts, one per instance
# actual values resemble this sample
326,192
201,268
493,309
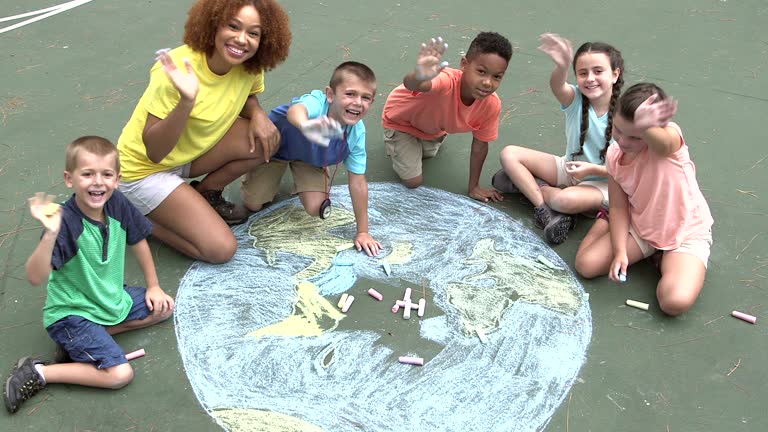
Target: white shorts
564,180
148,193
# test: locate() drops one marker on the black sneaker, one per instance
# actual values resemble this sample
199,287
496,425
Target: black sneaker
503,183
231,213
556,231
23,383
542,215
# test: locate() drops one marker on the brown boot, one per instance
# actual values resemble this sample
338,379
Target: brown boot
231,213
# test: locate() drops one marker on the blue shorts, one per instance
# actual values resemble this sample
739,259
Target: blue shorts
88,342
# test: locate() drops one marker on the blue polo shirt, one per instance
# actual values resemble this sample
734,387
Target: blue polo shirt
89,262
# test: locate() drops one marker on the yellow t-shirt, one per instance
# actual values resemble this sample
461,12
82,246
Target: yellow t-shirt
220,100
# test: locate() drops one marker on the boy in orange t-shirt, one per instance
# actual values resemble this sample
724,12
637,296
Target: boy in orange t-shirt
435,101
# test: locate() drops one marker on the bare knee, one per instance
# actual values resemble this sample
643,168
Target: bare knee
564,202
120,376
673,302
413,183
509,154
586,266
219,251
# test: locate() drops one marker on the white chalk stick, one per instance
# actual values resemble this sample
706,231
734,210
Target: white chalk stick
346,306
422,306
342,300
637,304
622,277
481,335
407,295
418,361
407,309
542,259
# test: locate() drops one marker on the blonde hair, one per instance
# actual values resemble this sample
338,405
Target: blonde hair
92,144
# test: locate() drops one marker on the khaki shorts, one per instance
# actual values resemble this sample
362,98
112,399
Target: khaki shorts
407,151
564,180
698,247
148,193
261,184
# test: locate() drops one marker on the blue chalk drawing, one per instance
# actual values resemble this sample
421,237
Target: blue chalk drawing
347,379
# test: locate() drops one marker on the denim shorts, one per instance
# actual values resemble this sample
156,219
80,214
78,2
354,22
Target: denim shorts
88,342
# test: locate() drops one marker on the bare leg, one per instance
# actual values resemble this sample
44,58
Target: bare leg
595,254
574,199
186,222
523,164
87,374
413,183
312,201
682,278
152,319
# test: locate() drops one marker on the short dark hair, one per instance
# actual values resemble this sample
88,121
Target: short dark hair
354,68
635,96
490,43
91,144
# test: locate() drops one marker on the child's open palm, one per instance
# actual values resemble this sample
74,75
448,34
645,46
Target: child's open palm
655,114
321,130
429,63
557,47
46,211
186,83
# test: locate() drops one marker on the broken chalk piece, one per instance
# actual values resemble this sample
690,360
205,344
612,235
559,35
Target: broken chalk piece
745,317
51,209
348,303
395,308
637,304
542,259
622,277
136,354
422,306
342,300
344,246
387,268
481,335
418,361
162,51
375,294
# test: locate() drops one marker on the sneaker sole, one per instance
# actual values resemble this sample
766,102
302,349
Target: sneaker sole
556,232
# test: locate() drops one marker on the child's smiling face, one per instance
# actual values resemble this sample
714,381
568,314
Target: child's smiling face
237,40
94,180
594,75
350,100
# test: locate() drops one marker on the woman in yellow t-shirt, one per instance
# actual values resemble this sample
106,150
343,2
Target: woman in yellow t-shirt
200,115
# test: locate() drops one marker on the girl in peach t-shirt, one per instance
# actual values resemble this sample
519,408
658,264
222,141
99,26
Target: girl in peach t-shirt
655,203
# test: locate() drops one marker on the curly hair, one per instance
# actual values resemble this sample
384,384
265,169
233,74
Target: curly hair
617,62
207,16
635,96
490,43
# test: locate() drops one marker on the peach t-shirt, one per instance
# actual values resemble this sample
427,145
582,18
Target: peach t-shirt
666,206
439,111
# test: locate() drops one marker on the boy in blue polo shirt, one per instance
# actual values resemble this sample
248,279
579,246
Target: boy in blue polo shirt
81,255
319,130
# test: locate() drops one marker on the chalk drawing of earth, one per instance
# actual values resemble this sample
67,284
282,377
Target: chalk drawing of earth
266,347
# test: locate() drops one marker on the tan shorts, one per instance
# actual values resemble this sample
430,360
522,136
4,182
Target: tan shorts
698,247
564,180
407,151
261,184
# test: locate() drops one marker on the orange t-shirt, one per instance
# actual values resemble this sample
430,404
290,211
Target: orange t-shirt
440,111
666,206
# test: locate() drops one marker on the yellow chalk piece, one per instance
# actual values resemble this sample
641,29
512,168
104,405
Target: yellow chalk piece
637,304
51,209
342,300
344,246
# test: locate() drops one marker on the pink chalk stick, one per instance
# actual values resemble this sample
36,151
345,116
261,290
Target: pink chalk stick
418,361
375,294
395,308
742,316
136,354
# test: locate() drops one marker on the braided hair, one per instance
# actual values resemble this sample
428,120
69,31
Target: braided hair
617,62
